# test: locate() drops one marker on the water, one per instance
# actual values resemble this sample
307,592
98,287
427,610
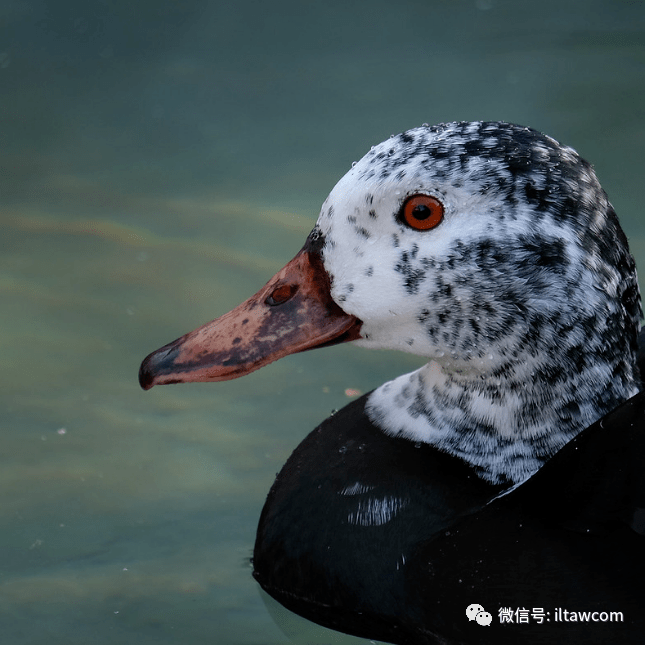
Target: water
160,161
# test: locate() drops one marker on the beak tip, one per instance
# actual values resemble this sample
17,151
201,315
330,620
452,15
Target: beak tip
146,376
155,364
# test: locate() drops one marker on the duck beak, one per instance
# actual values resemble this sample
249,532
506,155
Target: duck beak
293,312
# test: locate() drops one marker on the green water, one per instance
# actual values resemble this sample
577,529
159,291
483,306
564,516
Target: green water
159,161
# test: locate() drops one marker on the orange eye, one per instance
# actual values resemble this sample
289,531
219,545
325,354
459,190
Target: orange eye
422,212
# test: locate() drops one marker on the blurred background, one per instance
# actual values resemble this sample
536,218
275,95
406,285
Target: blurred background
159,161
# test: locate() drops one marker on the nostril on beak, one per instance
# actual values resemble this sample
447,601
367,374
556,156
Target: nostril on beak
281,294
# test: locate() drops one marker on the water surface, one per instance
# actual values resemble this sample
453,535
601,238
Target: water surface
159,162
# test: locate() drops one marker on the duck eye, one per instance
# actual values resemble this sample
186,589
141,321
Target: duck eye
421,212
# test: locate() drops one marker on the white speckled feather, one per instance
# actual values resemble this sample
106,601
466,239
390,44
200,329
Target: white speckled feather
524,298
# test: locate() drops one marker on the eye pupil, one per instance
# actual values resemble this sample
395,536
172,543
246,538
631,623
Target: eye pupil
422,212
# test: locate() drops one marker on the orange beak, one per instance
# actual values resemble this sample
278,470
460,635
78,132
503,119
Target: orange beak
293,312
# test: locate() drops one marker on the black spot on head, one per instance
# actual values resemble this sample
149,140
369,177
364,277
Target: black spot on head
538,197
424,314
545,253
475,147
413,274
315,241
444,288
372,213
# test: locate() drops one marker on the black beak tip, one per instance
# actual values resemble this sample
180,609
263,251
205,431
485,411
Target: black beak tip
146,376
159,362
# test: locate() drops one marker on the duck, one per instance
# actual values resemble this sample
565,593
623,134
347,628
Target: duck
497,493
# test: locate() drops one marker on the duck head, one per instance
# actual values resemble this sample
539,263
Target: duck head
488,248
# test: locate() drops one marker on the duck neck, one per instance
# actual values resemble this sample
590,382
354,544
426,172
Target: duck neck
503,420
